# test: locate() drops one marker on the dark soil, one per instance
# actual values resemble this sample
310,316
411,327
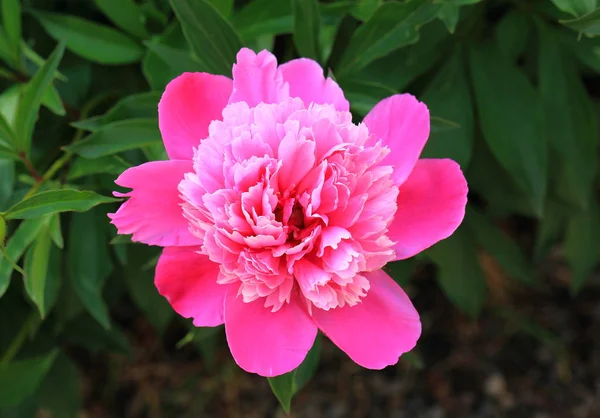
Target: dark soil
537,357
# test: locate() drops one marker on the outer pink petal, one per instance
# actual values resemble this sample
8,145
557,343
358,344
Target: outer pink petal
189,282
153,211
431,205
188,105
264,342
377,331
307,82
402,123
256,79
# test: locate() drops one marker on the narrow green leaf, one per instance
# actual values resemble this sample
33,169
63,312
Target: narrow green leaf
449,14
2,231
448,96
180,61
363,10
211,37
89,262
570,118
55,230
111,164
60,391
7,182
29,104
459,273
581,245
307,21
264,17
575,7
53,102
42,268
117,137
512,33
588,24
506,252
140,105
21,378
97,43
140,284
364,94
11,20
224,7
126,15
158,72
54,201
393,26
285,386
510,126
16,246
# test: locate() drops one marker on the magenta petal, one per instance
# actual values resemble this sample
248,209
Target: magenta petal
264,342
188,105
153,212
189,282
307,82
377,331
431,205
402,123
256,79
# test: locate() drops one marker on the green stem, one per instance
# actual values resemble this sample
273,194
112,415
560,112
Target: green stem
11,261
19,339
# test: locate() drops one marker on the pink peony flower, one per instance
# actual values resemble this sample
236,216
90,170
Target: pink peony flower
277,213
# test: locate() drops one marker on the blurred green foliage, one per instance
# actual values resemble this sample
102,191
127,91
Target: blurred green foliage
513,91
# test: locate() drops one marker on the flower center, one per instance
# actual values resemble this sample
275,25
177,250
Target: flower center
292,201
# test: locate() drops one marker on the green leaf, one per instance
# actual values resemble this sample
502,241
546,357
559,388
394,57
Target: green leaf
7,135
54,201
179,61
126,15
393,26
89,262
510,118
111,164
287,385
21,378
570,118
575,7
512,33
449,14
11,20
55,230
60,391
459,273
117,137
42,268
448,96
588,24
307,21
97,43
401,270
140,284
2,231
363,10
140,105
158,72
7,182
264,17
29,104
581,245
210,36
224,7
16,246
52,101
506,252
364,94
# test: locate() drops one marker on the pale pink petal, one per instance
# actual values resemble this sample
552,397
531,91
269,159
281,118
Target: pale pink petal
188,105
153,212
378,330
307,82
402,123
256,79
189,282
264,342
431,205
